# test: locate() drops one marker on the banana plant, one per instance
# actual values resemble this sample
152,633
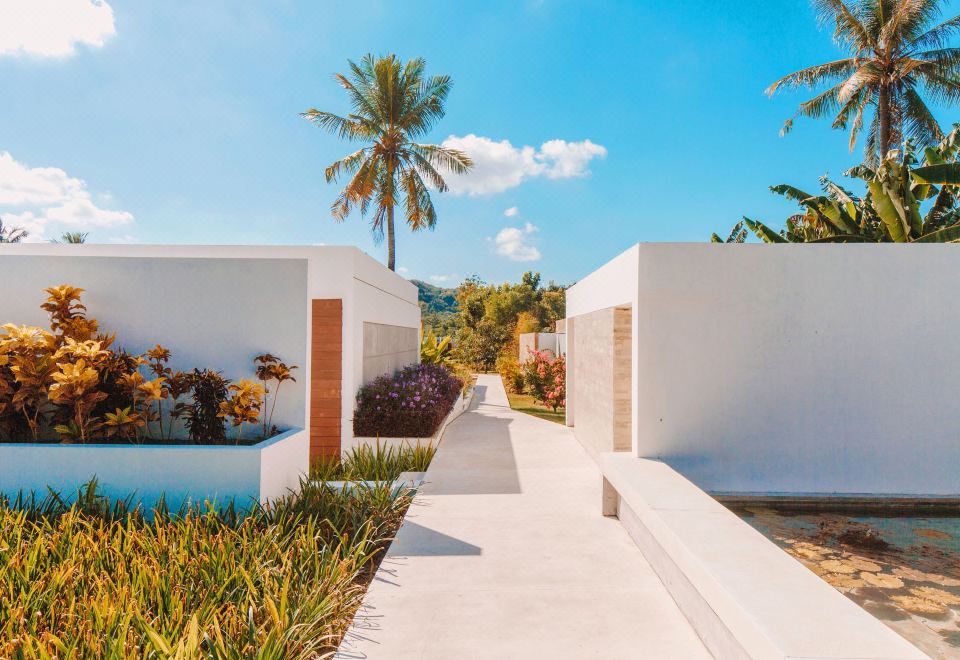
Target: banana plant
435,350
889,212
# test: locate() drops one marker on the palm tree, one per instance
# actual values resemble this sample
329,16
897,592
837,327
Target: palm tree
393,105
897,55
12,234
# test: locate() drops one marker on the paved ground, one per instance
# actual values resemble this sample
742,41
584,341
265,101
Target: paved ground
505,554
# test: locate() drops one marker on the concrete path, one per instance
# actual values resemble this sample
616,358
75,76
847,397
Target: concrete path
504,554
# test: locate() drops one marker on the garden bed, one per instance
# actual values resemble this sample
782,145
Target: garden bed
408,408
460,406
96,579
247,474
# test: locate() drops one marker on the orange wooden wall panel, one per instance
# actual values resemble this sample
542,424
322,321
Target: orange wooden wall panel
326,377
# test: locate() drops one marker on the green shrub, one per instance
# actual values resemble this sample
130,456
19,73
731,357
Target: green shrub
377,463
509,369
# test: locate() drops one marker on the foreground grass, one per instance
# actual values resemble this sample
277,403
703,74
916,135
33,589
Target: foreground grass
97,579
525,403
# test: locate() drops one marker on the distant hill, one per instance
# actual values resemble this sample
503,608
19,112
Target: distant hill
438,308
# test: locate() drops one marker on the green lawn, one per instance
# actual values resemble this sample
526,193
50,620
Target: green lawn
525,403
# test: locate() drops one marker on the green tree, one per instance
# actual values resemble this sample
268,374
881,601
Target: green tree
393,105
897,52
491,315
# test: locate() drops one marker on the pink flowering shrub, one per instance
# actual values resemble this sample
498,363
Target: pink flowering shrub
410,404
545,378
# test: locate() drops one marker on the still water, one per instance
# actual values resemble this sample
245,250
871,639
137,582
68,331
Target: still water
904,570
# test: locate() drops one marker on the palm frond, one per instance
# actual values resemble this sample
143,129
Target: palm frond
815,75
349,164
920,124
937,36
848,27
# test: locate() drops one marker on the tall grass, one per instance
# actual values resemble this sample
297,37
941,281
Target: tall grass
94,578
373,463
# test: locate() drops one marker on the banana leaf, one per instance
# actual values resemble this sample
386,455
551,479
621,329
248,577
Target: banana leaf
890,214
843,238
946,235
947,174
763,232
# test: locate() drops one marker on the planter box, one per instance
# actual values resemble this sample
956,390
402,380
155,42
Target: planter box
406,481
183,473
460,406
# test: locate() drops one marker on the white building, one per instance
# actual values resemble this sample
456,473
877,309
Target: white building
773,368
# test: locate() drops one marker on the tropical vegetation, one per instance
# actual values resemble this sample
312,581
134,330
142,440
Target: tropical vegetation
439,310
493,316
377,462
909,198
393,105
72,238
545,379
900,56
409,404
71,384
101,579
434,349
10,234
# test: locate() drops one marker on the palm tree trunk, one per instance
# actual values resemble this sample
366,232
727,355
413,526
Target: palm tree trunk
391,244
883,115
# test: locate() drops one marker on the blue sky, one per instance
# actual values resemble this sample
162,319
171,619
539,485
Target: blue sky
177,123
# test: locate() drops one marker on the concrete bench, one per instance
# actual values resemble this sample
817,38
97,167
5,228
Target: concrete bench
745,597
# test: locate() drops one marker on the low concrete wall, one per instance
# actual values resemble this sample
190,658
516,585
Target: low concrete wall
194,473
387,349
744,596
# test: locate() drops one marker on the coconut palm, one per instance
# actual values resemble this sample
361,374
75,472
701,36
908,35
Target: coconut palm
12,234
898,56
393,105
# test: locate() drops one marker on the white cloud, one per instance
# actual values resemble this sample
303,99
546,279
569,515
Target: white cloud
513,243
499,166
37,198
53,28
440,279
403,270
512,211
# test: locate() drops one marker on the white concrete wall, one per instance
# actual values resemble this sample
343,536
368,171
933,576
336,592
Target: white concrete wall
387,349
210,312
528,342
614,284
797,368
191,473
377,296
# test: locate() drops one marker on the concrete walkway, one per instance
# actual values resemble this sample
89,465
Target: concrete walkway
504,554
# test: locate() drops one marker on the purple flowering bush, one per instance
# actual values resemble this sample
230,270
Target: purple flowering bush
410,404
